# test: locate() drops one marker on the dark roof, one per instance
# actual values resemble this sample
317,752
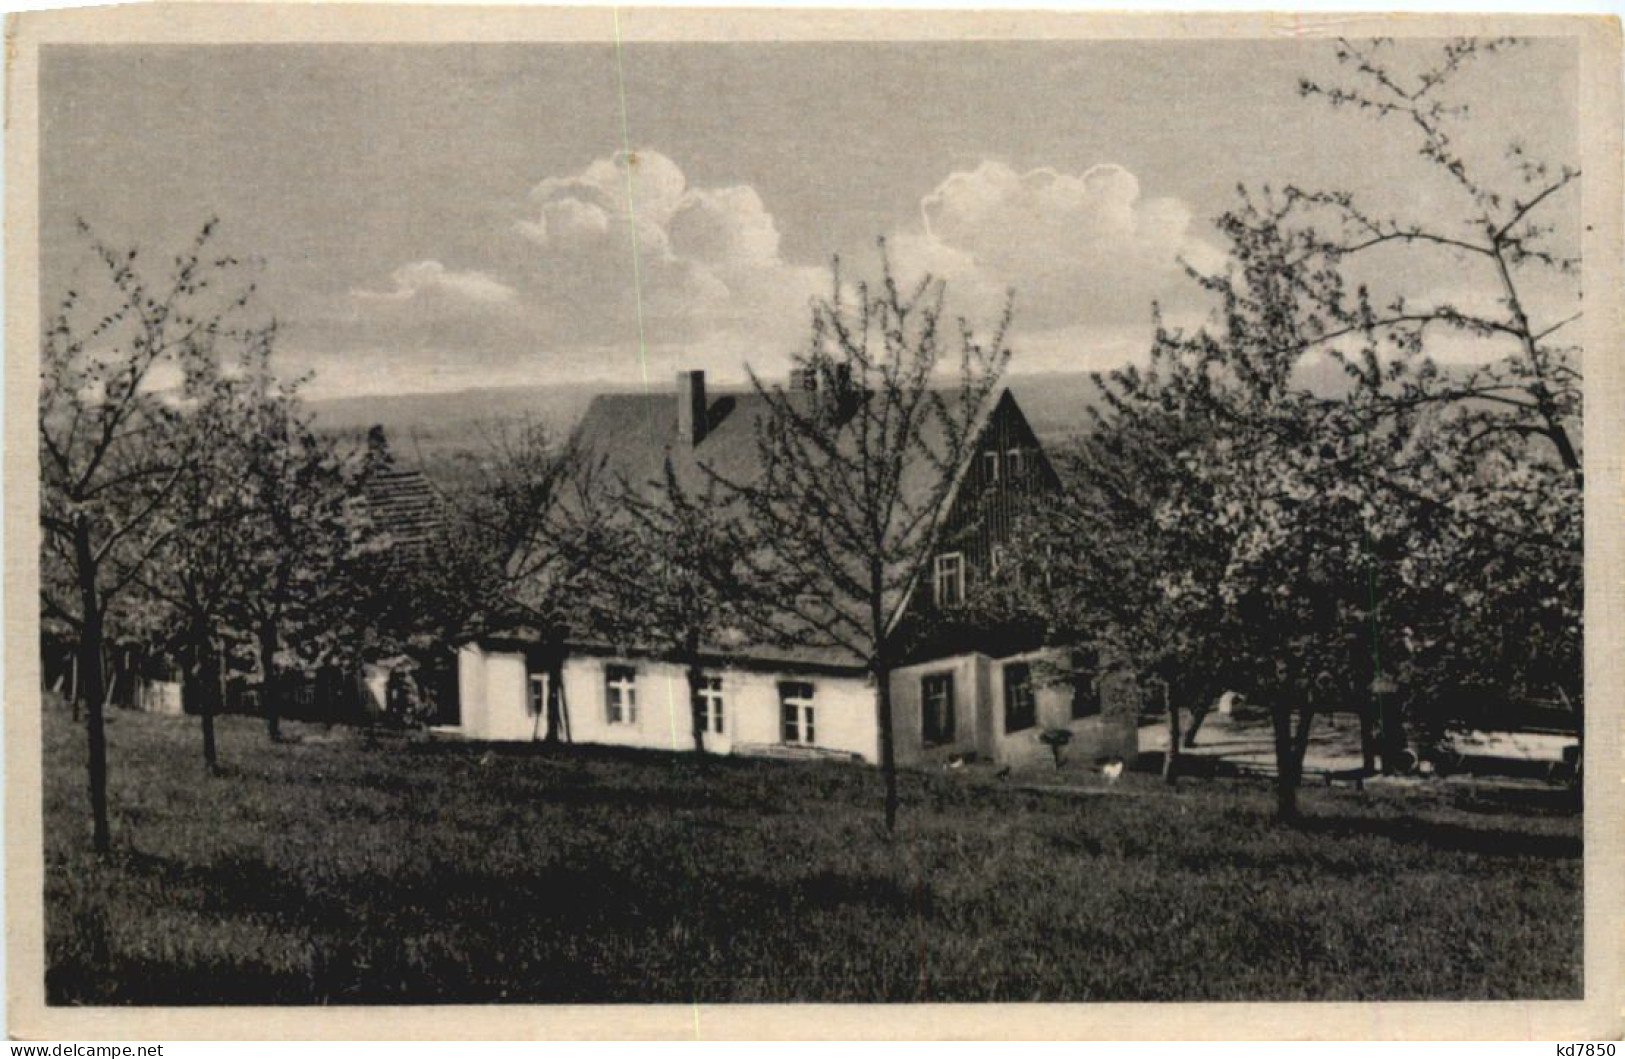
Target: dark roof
635,433
402,505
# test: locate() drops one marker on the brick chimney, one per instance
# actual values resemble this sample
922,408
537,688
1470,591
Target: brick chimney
691,407
803,380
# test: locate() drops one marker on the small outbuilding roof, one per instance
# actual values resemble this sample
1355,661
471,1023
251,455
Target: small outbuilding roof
402,506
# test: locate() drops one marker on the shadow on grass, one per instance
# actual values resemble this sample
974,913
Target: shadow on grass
1519,801
444,934
480,874
1455,838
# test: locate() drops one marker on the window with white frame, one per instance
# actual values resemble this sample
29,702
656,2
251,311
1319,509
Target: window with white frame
536,703
998,556
937,708
949,579
990,466
621,694
1018,462
1020,702
796,705
709,705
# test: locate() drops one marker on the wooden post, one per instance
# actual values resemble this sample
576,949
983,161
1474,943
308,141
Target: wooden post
1286,774
1368,742
1171,758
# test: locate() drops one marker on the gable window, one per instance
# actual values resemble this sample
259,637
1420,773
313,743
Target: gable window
796,706
709,706
537,700
990,466
937,708
621,694
949,579
1020,705
1018,462
999,557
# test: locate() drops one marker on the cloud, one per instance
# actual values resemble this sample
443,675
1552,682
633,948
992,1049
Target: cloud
728,228
707,258
1077,249
427,310
566,224
709,287
431,279
562,293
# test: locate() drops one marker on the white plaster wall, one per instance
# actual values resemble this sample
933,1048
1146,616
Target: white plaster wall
493,691
494,697
161,696
375,685
1101,735
979,694
506,698
843,711
470,690
844,716
662,712
908,721
1054,710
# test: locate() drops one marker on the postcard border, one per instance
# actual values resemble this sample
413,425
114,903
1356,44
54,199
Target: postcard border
1600,1015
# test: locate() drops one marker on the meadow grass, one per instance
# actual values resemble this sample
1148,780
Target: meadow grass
350,867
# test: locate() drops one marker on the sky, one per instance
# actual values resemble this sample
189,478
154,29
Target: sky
435,217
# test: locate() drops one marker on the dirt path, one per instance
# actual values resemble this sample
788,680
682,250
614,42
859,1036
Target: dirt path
1248,743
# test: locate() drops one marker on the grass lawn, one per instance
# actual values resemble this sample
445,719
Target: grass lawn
345,868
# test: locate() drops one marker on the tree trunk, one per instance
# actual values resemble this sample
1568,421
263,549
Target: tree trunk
1171,758
197,689
91,683
1290,750
270,687
211,760
192,678
880,667
696,711
1577,780
557,711
1368,739
1300,743
207,704
1286,773
888,743
1199,714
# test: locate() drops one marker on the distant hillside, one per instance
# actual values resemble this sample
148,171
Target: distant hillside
432,428
435,426
1056,403
435,412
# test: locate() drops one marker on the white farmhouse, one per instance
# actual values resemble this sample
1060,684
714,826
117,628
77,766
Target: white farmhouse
974,691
